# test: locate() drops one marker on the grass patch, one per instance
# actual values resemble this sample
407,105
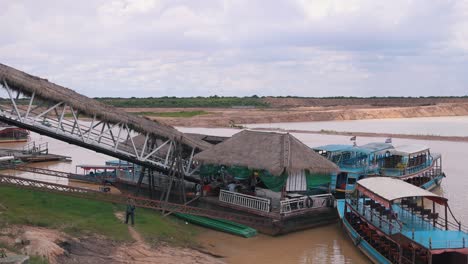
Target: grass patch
154,228
77,216
37,260
183,114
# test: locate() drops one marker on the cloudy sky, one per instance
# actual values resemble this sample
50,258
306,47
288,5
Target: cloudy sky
241,47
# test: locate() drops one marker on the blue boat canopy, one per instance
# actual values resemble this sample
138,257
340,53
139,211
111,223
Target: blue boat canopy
334,148
374,147
412,149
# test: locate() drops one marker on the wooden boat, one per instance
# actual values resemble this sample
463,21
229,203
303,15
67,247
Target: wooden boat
385,221
220,225
9,134
99,173
414,164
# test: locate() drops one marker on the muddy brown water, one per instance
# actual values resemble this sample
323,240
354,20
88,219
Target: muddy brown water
327,244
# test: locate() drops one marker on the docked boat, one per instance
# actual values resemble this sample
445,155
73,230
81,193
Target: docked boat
99,173
9,134
219,224
414,164
392,221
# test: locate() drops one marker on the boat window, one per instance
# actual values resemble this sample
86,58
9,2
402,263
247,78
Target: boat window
351,180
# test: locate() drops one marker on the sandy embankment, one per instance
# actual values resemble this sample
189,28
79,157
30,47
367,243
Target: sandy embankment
58,247
223,117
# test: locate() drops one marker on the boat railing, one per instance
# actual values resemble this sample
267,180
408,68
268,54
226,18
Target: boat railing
376,219
447,243
407,170
303,203
33,148
244,200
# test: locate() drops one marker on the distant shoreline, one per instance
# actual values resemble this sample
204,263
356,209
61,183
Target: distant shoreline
369,134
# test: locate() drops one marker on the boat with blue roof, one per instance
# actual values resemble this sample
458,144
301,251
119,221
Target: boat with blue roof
392,221
415,164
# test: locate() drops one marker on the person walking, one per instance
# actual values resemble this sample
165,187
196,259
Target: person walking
130,211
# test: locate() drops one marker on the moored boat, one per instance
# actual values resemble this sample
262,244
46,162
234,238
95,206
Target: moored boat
414,164
9,134
386,222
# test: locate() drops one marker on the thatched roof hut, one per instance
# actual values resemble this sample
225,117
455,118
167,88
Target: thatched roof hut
28,84
274,152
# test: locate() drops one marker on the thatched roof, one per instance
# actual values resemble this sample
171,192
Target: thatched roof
274,152
45,90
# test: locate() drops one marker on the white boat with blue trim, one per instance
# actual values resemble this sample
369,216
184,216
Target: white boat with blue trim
392,221
415,164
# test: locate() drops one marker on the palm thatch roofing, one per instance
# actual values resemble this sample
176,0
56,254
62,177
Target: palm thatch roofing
28,84
274,152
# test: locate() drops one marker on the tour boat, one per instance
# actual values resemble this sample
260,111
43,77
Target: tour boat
10,134
391,221
414,164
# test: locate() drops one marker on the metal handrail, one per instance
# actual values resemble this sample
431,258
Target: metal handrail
244,200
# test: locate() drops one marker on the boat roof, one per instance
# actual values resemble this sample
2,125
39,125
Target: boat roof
367,148
334,147
375,147
385,190
409,149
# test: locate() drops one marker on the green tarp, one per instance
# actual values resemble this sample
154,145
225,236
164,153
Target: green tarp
208,170
315,180
274,183
240,173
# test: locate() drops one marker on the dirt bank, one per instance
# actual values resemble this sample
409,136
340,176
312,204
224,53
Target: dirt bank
224,117
58,247
369,134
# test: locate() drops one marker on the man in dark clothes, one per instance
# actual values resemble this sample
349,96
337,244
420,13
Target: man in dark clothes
130,211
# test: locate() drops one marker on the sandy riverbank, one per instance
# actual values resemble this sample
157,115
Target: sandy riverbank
370,134
224,117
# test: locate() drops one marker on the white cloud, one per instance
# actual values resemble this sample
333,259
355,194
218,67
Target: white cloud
241,47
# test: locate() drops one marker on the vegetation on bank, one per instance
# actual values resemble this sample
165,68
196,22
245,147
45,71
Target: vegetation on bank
225,102
183,114
78,216
169,102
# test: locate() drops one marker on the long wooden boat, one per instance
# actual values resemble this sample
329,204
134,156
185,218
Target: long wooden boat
414,164
385,221
220,225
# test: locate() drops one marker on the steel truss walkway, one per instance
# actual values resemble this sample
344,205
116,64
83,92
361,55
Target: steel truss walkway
58,112
122,199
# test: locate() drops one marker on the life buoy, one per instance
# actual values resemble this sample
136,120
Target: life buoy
309,202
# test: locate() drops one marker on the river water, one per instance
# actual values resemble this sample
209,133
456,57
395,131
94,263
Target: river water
437,126
326,244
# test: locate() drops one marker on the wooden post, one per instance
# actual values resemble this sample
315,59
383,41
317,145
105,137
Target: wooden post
357,204
140,180
433,211
446,220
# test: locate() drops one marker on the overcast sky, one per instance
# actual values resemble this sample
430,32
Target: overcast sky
241,47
